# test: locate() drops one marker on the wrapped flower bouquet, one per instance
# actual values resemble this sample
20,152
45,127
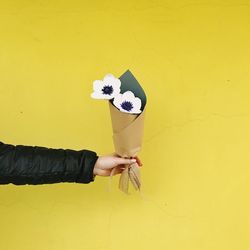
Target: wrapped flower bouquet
127,102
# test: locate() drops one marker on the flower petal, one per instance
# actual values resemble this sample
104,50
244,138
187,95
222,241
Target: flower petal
99,95
118,100
136,111
111,80
97,85
128,95
108,76
116,91
137,103
95,95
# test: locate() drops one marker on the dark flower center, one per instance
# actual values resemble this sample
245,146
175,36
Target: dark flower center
107,90
127,105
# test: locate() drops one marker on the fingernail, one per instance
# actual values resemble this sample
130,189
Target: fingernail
133,160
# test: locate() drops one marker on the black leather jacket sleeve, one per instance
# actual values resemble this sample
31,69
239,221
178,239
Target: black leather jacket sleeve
21,165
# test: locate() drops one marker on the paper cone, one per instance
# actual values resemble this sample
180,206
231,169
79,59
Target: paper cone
128,133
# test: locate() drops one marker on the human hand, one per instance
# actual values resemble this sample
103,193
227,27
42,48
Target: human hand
106,163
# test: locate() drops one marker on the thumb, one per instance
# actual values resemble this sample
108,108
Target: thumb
120,160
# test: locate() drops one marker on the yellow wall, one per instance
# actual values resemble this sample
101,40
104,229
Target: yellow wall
192,58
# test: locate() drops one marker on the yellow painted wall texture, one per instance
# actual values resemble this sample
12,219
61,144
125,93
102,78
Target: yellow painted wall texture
192,58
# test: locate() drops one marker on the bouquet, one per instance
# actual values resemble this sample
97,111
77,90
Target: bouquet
127,102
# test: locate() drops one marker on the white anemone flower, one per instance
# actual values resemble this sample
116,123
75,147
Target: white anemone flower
107,88
128,103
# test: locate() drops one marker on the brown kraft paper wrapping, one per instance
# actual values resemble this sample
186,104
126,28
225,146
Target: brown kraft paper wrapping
127,138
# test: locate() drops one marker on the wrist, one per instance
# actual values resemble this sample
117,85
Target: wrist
95,168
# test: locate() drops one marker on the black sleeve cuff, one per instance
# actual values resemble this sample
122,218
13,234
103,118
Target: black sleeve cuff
87,162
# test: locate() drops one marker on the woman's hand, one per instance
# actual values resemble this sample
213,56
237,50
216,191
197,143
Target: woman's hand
106,163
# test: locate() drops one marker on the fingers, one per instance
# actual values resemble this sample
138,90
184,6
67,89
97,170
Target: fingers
138,161
102,172
136,157
107,172
117,171
120,161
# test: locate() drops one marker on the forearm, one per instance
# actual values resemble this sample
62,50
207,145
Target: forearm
39,165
